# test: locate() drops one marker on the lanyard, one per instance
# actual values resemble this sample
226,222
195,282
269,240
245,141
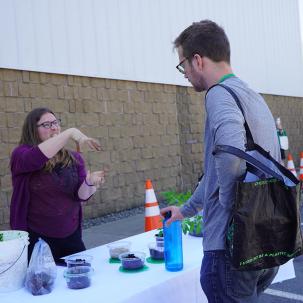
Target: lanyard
226,77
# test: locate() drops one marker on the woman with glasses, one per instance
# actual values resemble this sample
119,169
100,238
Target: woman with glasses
50,182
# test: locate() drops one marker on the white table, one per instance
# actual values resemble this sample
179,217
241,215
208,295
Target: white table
109,285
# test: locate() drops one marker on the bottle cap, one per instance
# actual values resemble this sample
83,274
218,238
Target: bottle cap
167,215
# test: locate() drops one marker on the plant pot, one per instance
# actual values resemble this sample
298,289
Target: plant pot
156,252
159,241
194,232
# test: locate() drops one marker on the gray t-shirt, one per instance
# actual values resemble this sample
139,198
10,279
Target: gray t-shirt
225,126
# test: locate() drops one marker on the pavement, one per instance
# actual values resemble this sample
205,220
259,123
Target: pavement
112,231
290,291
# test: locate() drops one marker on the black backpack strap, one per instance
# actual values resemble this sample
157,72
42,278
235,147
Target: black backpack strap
199,180
257,164
249,137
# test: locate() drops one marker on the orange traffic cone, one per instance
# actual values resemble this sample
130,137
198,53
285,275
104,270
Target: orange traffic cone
291,165
152,210
301,166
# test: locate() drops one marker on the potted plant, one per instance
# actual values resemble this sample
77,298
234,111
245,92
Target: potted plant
159,237
192,225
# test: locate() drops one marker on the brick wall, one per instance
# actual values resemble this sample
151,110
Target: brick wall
146,131
136,123
290,109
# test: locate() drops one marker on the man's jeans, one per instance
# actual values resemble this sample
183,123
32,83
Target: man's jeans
223,284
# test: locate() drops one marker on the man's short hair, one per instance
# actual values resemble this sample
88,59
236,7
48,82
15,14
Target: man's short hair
205,38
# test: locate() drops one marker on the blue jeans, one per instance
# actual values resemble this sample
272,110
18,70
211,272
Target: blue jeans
223,284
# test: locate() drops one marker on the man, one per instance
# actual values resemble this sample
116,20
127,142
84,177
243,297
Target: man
204,54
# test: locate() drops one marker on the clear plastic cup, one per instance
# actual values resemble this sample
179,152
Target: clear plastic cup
78,260
132,260
78,277
117,248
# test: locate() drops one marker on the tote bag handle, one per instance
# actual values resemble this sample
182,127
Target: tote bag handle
255,163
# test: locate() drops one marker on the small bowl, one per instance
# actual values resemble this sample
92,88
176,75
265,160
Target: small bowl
78,260
118,248
132,260
156,252
78,277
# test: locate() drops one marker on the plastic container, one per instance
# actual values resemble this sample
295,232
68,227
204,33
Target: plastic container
159,241
132,260
78,260
78,277
118,248
173,253
156,252
13,259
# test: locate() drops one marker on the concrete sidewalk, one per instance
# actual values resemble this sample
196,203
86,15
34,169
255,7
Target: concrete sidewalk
112,231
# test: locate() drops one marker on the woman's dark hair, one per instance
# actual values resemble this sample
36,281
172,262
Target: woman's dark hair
30,136
205,38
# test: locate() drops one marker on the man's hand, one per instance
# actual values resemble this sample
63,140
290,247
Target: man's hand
175,214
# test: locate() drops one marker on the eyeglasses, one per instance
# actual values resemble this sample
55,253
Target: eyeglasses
180,66
49,124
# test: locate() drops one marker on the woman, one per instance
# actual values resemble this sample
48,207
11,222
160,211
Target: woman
49,183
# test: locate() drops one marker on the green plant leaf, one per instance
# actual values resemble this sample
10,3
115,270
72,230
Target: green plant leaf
198,228
193,224
174,198
160,232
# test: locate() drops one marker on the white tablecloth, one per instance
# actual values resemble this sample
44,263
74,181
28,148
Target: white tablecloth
154,285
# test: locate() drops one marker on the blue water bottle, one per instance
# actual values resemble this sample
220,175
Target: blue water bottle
173,253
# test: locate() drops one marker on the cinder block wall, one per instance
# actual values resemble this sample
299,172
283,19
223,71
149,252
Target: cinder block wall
290,109
146,131
136,123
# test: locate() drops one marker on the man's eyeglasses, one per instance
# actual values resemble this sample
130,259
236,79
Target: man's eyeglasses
180,66
49,124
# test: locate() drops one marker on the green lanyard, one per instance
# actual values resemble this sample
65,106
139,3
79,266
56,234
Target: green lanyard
226,77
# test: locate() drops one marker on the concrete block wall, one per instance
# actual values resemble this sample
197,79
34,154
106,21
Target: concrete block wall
136,123
146,131
290,110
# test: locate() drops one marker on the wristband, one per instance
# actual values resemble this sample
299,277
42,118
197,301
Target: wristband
88,183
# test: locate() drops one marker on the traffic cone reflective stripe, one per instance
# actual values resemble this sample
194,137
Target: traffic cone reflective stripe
291,165
149,205
150,196
301,166
152,210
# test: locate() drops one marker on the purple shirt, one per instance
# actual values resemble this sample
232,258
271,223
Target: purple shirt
47,203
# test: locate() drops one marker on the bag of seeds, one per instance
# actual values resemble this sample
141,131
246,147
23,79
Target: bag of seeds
42,271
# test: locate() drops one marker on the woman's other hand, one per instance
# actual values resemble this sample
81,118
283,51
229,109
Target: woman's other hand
95,178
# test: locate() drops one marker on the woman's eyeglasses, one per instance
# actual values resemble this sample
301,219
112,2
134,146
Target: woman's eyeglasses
49,124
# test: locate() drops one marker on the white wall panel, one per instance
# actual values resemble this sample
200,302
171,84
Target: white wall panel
25,34
8,34
42,35
132,39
